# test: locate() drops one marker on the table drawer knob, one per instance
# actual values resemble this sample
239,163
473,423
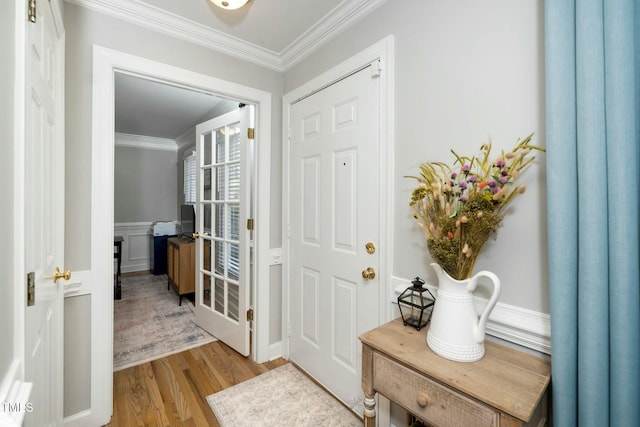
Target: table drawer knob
422,400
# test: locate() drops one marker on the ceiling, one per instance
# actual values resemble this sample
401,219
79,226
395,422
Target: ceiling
273,33
149,108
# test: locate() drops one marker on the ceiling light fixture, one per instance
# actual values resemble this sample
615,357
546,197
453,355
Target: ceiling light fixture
229,4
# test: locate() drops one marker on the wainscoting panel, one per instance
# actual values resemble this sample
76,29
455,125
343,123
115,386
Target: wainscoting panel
517,325
137,247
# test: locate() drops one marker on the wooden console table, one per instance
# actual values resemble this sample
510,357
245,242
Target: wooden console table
505,388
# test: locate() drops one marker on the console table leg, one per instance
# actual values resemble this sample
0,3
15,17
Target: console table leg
369,411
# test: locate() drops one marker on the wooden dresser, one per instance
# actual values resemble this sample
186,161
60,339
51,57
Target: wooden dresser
505,388
181,265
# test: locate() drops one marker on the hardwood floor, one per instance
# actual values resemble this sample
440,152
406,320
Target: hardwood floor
171,391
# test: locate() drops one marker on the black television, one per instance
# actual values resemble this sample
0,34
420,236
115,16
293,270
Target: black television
188,220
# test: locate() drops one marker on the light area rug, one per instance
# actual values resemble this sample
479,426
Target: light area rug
149,324
281,397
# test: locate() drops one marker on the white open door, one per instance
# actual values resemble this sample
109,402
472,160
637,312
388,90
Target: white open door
223,209
44,215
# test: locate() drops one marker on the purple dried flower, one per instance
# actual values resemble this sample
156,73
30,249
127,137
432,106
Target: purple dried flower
473,178
463,185
465,168
454,175
463,199
500,163
504,172
492,183
495,190
504,180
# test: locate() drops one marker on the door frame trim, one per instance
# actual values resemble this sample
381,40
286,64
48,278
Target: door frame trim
105,63
384,51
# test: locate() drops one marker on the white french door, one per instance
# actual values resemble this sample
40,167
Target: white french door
335,230
223,207
44,215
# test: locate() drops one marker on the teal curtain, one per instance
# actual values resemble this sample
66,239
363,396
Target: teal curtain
592,62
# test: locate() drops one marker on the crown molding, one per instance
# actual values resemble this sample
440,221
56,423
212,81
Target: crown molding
151,17
189,137
156,19
336,21
145,142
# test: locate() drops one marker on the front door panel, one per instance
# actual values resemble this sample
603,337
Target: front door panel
334,214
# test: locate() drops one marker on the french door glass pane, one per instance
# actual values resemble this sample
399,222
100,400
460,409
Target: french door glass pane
207,184
219,258
220,147
206,275
206,157
234,144
219,231
220,183
232,299
206,290
234,222
234,262
234,181
206,217
219,295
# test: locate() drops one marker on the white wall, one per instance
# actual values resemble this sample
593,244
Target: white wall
145,184
465,71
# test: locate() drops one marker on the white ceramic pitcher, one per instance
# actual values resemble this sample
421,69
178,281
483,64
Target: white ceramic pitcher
456,332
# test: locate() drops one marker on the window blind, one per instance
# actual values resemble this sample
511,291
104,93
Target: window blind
190,179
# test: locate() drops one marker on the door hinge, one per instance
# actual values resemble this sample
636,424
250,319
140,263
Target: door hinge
31,289
250,315
31,12
251,132
250,224
375,68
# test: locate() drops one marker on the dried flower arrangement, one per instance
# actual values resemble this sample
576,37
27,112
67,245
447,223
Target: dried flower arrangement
459,208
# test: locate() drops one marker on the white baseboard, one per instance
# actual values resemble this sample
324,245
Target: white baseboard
518,325
275,350
81,419
14,395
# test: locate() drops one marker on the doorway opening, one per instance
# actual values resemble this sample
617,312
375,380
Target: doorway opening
106,63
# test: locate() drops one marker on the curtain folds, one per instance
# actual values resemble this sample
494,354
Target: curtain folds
592,60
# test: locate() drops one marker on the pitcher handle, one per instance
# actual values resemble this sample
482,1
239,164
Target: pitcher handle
482,322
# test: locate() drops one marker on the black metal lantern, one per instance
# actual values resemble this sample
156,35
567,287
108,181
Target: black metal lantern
415,306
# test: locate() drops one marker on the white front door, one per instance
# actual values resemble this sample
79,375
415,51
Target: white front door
223,249
334,218
44,216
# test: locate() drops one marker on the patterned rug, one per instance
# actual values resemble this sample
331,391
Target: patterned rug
149,324
281,397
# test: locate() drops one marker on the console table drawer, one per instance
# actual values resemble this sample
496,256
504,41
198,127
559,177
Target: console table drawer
427,399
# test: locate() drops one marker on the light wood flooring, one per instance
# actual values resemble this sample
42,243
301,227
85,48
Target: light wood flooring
172,391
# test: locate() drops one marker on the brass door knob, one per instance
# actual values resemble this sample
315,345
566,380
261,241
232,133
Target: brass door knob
60,275
195,235
369,274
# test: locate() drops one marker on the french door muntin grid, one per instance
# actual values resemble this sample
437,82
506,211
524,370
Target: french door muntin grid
220,173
